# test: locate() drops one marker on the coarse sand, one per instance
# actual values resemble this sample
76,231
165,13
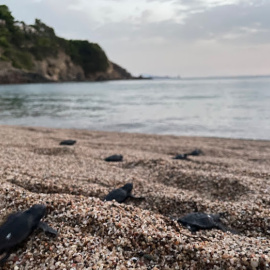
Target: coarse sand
231,177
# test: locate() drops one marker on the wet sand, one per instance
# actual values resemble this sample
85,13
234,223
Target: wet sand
231,177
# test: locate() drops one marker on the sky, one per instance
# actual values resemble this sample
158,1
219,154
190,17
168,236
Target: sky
189,38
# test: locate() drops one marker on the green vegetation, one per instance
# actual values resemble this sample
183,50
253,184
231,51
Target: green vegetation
89,55
21,60
21,44
43,41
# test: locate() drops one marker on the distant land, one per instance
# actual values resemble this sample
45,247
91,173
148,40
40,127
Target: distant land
33,53
227,77
156,77
167,77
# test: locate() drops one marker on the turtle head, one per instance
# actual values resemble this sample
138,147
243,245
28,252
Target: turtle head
182,221
222,214
38,211
128,187
216,217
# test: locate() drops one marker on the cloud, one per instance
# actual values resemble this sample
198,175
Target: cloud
171,20
222,39
248,23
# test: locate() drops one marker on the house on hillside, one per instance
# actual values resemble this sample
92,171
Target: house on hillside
24,27
2,22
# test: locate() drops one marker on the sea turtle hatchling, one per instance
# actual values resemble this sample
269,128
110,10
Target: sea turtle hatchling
114,158
68,142
19,226
121,194
181,156
196,152
202,221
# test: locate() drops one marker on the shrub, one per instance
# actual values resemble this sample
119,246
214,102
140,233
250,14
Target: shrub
3,42
19,59
89,55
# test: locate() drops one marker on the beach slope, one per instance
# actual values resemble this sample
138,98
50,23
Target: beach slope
231,177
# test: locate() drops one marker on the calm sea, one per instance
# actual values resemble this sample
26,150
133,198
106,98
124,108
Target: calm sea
231,108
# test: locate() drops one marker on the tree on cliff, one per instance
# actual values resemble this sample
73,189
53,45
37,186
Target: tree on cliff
7,17
89,55
10,31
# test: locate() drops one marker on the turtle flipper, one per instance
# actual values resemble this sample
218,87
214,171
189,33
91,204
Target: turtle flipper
225,228
46,228
221,226
192,228
136,198
3,259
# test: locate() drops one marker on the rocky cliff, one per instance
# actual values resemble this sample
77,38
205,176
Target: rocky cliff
60,69
33,53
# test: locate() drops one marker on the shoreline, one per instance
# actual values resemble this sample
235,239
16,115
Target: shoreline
136,133
232,177
69,81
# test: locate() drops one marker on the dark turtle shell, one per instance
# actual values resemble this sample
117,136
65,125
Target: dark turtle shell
120,194
68,142
180,156
196,152
114,158
198,220
19,226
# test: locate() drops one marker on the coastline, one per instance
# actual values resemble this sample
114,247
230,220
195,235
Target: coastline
232,177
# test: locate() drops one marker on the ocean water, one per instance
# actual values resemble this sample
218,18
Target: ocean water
230,108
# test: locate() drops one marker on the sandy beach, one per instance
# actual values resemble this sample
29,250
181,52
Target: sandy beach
232,177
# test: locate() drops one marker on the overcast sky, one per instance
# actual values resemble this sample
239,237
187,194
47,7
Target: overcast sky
164,37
